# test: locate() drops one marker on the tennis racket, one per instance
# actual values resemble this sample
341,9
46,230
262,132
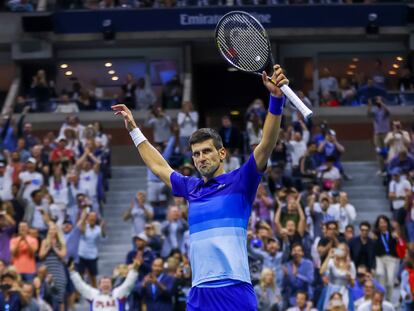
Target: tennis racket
244,43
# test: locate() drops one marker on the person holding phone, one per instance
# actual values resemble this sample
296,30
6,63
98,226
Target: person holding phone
341,272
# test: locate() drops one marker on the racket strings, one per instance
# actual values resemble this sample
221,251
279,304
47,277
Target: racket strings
243,42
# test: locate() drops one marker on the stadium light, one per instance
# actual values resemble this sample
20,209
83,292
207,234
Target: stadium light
355,59
68,73
352,66
111,72
63,66
392,72
399,58
234,112
108,64
396,66
114,78
350,73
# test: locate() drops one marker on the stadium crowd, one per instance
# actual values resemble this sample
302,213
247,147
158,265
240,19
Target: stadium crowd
306,248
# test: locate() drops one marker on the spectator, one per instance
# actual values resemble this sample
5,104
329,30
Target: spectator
88,253
406,287
73,123
62,154
173,92
377,303
66,105
349,233
145,97
396,140
341,273
254,130
402,161
318,214
142,252
140,212
30,179
52,253
328,85
88,167
406,80
297,147
7,228
157,288
105,298
11,297
368,293
329,175
42,90
346,92
330,147
262,209
45,287
28,294
231,136
363,278
160,123
369,91
362,248
267,293
155,240
23,250
173,230
187,120
22,150
308,164
380,114
343,212
302,303
298,275
37,213
128,89
385,254
398,191
329,241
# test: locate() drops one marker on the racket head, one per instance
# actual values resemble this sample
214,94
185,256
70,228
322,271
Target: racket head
243,42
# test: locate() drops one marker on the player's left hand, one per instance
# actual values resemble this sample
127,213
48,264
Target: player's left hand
278,79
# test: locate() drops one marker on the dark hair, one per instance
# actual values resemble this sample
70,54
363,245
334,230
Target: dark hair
301,292
376,226
204,134
331,222
349,226
297,244
34,192
366,224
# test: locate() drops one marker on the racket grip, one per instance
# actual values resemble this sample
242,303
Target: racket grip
295,100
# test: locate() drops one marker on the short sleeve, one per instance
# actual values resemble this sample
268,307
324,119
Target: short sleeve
250,177
182,185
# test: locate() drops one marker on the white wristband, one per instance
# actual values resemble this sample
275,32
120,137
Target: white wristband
137,136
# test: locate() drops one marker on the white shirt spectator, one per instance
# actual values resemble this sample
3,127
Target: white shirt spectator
100,301
345,215
88,183
34,180
254,137
88,244
6,182
187,122
332,174
59,191
328,84
360,302
298,148
161,128
399,188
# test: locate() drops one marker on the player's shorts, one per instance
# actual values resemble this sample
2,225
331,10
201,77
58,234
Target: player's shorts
156,192
238,297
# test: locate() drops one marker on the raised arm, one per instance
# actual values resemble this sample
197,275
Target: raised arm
272,123
151,157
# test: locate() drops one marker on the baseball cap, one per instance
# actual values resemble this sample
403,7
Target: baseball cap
332,132
395,171
141,236
31,160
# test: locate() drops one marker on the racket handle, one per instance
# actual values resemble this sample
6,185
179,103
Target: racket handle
295,100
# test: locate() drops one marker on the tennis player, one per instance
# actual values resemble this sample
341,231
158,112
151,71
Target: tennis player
219,206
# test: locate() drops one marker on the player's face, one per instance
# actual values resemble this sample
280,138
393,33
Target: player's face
207,159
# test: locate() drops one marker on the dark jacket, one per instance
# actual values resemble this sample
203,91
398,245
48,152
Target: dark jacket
159,299
355,247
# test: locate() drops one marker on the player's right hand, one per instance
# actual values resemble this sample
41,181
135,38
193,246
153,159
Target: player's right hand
123,110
